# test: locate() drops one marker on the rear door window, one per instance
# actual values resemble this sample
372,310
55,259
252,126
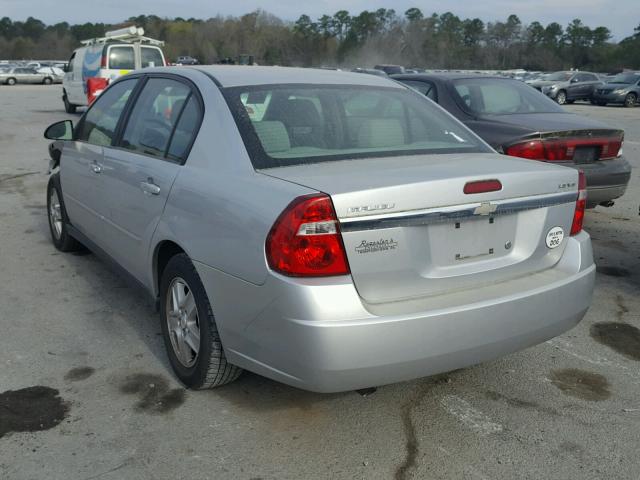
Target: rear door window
154,117
151,57
99,124
122,58
186,130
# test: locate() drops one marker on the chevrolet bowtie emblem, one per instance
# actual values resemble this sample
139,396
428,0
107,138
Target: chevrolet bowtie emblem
485,208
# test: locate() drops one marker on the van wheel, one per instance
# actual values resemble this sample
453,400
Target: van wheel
68,107
58,220
47,81
630,100
11,81
189,328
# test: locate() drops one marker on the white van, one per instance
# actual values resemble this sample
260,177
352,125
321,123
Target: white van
117,53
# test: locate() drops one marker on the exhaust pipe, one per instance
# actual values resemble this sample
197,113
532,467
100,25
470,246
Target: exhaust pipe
608,203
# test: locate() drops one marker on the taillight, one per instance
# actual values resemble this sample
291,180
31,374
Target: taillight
533,150
305,240
581,205
103,61
563,149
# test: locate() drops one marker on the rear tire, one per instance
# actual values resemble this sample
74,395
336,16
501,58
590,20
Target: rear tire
630,100
11,81
58,220
561,97
47,81
188,324
68,107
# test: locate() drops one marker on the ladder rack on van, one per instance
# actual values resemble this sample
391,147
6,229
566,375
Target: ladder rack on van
128,35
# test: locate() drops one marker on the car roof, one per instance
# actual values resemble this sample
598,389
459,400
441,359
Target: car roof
237,75
446,76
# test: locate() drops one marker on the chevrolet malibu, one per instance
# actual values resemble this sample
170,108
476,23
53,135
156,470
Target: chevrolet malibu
328,230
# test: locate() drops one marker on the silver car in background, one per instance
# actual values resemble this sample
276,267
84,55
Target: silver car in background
15,75
329,230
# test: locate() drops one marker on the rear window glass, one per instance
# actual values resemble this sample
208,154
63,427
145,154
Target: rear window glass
151,57
297,124
496,96
122,58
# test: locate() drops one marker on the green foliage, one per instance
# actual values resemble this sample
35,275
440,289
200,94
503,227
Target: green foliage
371,36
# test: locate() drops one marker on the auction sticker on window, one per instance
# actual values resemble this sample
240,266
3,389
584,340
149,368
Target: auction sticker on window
554,237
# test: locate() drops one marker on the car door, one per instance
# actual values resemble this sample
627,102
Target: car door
573,89
591,83
140,170
81,166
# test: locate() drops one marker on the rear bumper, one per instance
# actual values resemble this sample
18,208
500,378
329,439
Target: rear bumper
606,179
318,335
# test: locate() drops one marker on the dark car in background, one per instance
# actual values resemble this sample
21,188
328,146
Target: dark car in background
622,89
370,71
567,87
516,120
390,69
186,60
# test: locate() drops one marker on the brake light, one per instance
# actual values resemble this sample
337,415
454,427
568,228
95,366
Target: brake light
581,205
305,240
563,149
482,186
103,61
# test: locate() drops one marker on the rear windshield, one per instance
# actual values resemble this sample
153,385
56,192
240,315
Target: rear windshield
297,124
151,57
496,96
559,76
122,58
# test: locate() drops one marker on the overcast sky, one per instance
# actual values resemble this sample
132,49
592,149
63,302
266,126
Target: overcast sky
620,16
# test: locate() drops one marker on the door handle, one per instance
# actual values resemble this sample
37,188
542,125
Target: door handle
96,167
149,187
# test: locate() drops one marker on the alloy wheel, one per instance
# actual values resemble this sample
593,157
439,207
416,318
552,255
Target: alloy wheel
182,322
55,214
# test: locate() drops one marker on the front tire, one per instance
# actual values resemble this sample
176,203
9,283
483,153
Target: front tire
189,329
58,220
630,100
11,81
561,97
68,107
47,81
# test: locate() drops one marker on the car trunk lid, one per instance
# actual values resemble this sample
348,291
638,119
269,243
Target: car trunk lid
410,231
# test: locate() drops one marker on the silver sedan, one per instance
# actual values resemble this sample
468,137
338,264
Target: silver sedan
15,75
329,230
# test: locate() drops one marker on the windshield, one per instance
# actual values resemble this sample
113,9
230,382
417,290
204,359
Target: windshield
559,76
625,78
298,124
496,96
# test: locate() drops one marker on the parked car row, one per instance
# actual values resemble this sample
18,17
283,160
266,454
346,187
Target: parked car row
327,229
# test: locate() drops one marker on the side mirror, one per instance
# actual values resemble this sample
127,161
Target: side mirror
60,131
574,80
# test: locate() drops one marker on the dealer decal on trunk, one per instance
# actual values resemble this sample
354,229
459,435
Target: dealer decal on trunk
554,237
376,246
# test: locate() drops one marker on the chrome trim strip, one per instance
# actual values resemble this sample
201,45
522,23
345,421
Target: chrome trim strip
447,214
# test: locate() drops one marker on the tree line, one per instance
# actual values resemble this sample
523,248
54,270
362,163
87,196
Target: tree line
438,41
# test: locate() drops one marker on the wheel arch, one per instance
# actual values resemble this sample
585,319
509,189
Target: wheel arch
163,252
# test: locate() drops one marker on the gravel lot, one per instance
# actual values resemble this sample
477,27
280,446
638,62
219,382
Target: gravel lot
569,408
